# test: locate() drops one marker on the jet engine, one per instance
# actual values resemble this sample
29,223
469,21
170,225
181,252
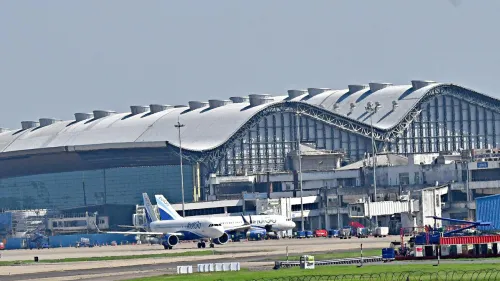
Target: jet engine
222,240
171,240
269,228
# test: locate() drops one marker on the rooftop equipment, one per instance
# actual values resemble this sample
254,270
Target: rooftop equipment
29,124
83,116
296,93
138,109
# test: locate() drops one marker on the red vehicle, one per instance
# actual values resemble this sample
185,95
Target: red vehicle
320,233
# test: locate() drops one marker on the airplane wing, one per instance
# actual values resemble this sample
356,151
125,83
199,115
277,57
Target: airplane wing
239,227
129,226
246,225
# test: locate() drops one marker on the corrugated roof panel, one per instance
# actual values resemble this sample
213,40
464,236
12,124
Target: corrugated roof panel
40,137
208,127
385,117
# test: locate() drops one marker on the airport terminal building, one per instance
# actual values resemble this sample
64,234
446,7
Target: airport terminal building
106,158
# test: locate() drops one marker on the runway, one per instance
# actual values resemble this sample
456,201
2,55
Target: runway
247,252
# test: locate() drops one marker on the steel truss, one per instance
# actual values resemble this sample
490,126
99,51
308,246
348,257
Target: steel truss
386,139
454,91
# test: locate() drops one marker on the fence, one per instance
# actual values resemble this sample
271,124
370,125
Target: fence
476,275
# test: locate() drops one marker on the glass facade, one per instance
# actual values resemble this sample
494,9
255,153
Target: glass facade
95,187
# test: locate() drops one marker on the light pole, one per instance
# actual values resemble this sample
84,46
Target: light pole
373,109
300,172
179,126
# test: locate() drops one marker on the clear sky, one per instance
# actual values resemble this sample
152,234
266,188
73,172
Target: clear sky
62,57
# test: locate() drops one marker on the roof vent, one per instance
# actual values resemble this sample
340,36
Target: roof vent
103,113
259,99
83,116
197,104
417,84
153,108
29,124
379,86
316,91
351,107
180,106
296,93
394,105
218,103
356,88
47,121
138,109
239,99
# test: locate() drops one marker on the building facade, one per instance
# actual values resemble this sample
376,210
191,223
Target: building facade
106,157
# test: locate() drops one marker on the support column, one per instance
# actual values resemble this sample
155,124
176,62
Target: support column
340,220
327,221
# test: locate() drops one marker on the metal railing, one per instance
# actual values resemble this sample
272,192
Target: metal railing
455,275
280,264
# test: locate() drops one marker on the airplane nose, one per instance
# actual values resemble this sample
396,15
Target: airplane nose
220,231
292,224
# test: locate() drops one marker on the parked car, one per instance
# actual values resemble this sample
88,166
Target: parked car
300,234
333,233
320,233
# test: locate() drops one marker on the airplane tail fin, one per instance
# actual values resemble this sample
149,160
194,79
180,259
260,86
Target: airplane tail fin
150,212
166,210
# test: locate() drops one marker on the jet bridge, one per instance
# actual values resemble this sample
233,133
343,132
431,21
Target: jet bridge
366,209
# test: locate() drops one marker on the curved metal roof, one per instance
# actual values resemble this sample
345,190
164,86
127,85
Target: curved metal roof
207,128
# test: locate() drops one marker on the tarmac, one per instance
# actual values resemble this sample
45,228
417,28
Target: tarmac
251,254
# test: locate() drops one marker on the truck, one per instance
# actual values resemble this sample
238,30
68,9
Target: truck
381,231
345,233
361,232
84,242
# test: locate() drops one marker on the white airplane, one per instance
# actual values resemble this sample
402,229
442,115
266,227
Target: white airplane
259,223
180,229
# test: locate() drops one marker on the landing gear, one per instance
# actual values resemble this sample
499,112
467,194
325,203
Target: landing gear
201,245
212,245
166,246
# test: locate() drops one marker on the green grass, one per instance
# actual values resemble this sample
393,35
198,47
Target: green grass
325,270
109,258
339,255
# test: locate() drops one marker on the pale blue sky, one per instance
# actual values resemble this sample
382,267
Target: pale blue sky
62,57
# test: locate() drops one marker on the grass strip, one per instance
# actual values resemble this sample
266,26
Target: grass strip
110,258
338,255
390,268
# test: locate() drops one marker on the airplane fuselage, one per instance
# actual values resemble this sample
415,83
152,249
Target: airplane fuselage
275,222
190,228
